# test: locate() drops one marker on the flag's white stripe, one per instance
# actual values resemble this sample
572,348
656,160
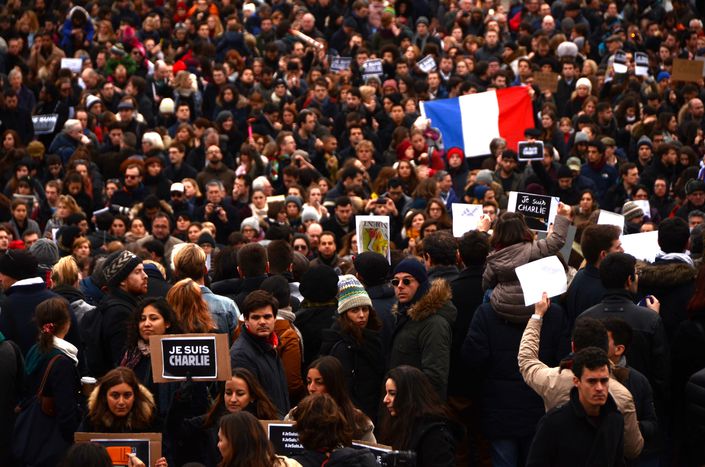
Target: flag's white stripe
479,115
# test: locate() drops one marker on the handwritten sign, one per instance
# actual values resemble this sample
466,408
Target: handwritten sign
373,234
641,64
539,211
465,217
146,446
610,218
202,357
339,64
546,81
543,275
687,70
427,64
643,246
530,150
73,64
620,62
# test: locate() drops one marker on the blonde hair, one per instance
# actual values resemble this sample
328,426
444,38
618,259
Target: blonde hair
190,309
190,261
70,203
65,271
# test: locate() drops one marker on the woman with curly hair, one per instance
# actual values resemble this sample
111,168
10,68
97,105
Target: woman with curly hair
326,435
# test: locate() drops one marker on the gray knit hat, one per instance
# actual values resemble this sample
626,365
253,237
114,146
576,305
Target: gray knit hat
118,266
351,294
46,252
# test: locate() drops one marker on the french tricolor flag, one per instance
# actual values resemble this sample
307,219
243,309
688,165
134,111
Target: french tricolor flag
470,122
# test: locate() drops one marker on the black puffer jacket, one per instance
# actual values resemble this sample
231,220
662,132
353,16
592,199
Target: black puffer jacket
363,363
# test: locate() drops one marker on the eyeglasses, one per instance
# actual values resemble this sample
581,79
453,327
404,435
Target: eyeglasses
300,247
406,281
131,177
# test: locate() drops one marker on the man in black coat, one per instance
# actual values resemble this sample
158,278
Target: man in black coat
255,348
671,278
586,289
589,430
127,282
649,351
319,287
441,256
24,290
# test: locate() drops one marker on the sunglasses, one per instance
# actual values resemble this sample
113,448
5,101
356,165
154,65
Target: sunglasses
300,247
406,281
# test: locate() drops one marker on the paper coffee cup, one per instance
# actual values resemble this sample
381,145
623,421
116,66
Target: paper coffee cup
88,383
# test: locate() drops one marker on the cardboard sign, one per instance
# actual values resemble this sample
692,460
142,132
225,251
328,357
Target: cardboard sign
543,275
202,357
644,205
641,64
546,81
610,218
427,64
146,446
73,64
465,217
620,62
530,150
283,436
372,67
44,124
339,64
687,70
643,245
379,450
373,234
539,211
569,240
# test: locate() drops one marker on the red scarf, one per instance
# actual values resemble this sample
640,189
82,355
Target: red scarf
272,340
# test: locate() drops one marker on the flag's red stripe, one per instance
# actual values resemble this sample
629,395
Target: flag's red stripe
515,114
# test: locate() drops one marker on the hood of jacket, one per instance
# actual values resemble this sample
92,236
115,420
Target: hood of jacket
141,416
664,274
435,301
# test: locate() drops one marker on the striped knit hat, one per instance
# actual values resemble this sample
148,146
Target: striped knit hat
351,294
118,266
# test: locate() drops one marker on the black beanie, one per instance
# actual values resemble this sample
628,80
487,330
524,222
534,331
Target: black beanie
118,266
319,284
18,264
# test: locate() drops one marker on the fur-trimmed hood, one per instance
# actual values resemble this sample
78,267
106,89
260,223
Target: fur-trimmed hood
431,303
665,274
141,417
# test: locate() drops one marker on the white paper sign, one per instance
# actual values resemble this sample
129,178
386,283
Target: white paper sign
620,62
73,64
643,246
644,205
610,218
465,217
427,64
543,275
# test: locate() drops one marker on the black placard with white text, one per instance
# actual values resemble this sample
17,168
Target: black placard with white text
189,356
530,150
539,211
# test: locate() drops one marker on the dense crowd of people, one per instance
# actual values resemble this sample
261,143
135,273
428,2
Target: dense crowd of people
172,167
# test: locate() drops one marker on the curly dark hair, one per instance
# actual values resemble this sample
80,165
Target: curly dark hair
321,424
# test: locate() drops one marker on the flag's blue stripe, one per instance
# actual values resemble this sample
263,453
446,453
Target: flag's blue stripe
445,115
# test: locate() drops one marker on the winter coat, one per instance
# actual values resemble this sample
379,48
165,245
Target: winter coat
687,350
17,314
510,408
585,290
434,441
63,384
467,296
672,282
643,395
261,359
694,429
12,375
568,436
553,384
422,336
383,299
117,307
76,299
312,319
342,457
648,351
507,297
363,364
